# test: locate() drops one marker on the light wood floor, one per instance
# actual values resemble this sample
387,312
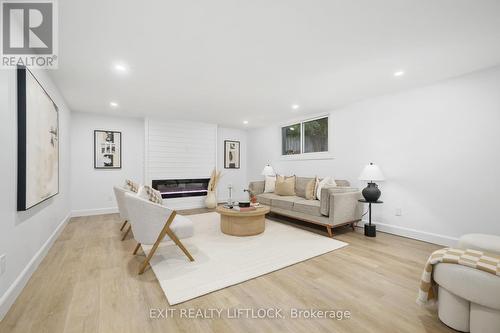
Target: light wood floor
88,282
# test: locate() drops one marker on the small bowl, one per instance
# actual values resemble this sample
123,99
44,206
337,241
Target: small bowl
244,203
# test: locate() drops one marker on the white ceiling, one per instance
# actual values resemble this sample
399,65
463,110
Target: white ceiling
225,61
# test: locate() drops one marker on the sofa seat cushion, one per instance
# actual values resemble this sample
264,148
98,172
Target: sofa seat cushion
310,207
265,198
269,198
285,202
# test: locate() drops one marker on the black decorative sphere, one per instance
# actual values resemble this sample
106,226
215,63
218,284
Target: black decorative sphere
371,193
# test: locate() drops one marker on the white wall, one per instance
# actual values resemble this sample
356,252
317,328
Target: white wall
236,177
180,150
173,149
439,147
26,236
92,189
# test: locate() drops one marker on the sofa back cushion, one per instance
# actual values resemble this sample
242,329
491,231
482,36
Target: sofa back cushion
311,189
257,187
285,185
301,185
342,183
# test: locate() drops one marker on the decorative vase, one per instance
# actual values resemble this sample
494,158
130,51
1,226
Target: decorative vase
371,192
210,200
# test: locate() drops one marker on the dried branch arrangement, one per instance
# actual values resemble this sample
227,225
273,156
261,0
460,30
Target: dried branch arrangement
214,180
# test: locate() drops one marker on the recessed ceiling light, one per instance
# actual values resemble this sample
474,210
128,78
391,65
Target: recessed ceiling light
120,67
245,122
399,73
113,104
295,106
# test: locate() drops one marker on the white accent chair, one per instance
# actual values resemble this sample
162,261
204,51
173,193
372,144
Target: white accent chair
122,208
151,222
469,299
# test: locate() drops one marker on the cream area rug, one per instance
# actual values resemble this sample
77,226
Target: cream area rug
222,260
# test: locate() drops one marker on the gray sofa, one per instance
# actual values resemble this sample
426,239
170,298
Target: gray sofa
338,205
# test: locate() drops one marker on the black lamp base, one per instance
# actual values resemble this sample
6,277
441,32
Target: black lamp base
370,230
371,193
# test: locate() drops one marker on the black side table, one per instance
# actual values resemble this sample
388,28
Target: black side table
370,229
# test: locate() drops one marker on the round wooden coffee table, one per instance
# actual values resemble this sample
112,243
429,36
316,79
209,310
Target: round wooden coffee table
246,223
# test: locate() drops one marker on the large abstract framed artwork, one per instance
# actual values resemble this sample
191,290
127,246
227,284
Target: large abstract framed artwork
231,154
107,149
38,142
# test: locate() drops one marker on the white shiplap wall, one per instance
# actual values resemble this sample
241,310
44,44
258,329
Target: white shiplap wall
179,150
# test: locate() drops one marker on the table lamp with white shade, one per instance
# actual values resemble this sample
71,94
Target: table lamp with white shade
371,173
268,171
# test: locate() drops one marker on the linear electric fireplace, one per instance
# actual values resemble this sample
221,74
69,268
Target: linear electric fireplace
179,188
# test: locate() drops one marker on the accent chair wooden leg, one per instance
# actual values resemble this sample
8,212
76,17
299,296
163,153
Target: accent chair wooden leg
126,232
353,226
162,234
137,248
151,253
123,225
176,240
329,229
165,231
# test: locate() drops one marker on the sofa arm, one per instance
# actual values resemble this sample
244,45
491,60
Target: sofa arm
257,187
345,207
326,192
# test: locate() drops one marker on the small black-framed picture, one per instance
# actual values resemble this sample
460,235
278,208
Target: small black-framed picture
231,154
107,149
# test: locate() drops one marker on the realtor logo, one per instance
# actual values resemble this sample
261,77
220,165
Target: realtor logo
28,33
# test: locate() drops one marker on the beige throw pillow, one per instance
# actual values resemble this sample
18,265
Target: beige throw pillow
327,181
316,184
270,184
310,187
285,185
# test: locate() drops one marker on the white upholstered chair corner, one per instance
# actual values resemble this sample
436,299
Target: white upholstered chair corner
122,208
151,222
469,299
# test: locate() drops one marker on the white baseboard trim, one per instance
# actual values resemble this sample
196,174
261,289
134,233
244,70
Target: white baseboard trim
20,282
415,234
91,212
